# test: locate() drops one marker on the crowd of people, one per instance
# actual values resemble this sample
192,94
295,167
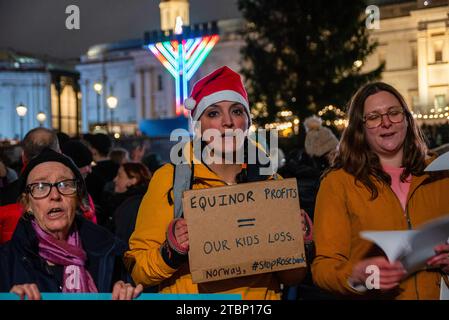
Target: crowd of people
81,216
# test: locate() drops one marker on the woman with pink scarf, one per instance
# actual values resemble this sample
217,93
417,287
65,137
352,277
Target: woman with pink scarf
55,249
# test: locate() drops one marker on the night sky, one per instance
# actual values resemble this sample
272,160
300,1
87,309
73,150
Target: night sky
38,26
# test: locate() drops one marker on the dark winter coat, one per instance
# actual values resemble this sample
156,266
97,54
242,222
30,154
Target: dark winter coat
20,262
120,209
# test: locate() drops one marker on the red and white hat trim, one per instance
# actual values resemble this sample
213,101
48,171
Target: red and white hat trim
224,95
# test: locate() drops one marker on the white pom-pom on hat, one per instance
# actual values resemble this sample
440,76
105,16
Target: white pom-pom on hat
189,103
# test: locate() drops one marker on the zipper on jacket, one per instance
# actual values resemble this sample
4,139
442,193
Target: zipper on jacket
404,211
410,228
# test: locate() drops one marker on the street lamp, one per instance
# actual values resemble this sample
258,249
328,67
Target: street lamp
21,112
41,117
98,87
112,104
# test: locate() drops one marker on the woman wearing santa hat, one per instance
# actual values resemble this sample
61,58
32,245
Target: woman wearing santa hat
158,254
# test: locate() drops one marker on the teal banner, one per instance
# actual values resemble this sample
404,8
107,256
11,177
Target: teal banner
143,296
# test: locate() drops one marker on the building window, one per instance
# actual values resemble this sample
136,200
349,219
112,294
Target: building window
414,57
160,83
132,90
438,51
439,56
440,101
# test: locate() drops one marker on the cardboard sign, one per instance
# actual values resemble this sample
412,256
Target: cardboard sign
244,229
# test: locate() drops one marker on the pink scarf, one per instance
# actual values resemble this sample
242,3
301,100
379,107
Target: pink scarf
69,254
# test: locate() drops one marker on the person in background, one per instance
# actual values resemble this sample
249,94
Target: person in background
82,157
308,164
33,143
7,177
119,155
8,218
62,138
53,249
103,171
131,184
377,182
100,146
153,162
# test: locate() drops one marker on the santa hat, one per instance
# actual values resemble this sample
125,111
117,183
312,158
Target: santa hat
223,84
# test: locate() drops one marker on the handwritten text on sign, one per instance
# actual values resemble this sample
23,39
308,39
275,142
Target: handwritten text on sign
244,229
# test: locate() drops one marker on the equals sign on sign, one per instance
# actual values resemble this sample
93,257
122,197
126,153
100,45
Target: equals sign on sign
246,222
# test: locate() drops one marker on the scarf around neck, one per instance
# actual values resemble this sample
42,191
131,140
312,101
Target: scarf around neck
68,254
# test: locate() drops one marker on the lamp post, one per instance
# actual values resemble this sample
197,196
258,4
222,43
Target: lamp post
41,117
98,87
112,104
21,112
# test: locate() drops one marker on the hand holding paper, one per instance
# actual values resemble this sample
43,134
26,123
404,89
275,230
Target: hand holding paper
441,258
390,274
413,248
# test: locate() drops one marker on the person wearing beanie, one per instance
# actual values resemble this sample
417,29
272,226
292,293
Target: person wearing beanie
10,213
319,140
159,246
53,249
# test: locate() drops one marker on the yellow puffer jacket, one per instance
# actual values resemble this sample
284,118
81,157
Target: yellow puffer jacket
148,266
343,209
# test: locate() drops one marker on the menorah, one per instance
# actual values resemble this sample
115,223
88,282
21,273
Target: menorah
182,58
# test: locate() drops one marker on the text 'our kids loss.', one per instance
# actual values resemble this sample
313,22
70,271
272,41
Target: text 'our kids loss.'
215,246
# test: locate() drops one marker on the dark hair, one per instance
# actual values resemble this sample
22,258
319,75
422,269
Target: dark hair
99,141
38,139
63,138
354,154
118,155
139,171
78,152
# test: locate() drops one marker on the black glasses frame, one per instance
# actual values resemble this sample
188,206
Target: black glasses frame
29,188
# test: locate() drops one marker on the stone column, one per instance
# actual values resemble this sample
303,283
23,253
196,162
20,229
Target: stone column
422,50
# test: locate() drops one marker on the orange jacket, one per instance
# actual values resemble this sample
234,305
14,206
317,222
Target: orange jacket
344,208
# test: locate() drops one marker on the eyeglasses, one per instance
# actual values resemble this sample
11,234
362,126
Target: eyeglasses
40,190
373,120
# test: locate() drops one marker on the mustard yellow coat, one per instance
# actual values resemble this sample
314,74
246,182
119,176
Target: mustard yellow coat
343,209
149,268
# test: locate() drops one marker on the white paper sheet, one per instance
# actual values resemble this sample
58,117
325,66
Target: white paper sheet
412,247
444,291
440,163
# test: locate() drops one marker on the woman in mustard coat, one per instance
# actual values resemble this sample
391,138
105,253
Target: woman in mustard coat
377,182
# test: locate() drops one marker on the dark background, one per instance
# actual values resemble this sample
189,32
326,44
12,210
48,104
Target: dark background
38,26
